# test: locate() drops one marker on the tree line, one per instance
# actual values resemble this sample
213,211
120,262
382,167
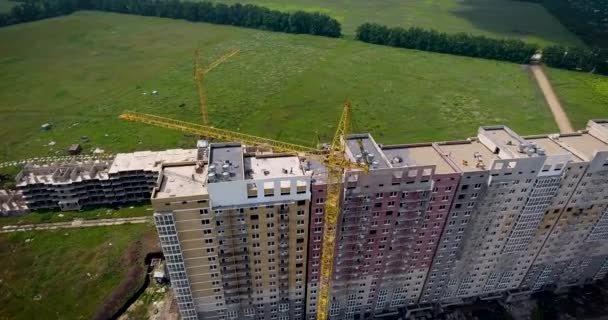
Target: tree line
249,16
461,44
576,58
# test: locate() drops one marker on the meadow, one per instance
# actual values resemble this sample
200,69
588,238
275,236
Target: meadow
63,274
94,213
80,71
494,18
584,96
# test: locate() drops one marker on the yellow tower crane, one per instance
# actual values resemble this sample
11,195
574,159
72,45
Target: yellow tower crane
199,76
334,159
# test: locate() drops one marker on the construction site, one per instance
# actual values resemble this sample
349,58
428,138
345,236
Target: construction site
252,227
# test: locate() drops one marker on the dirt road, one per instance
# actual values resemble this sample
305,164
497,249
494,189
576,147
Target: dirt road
556,107
78,223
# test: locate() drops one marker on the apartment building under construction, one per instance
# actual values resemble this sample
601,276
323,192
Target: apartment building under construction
494,216
73,185
234,230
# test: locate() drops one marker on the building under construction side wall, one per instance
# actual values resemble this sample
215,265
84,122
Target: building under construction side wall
128,178
494,216
234,230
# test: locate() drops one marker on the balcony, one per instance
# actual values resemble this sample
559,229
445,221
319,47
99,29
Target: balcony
236,270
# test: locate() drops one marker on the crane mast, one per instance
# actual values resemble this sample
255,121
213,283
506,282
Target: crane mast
336,165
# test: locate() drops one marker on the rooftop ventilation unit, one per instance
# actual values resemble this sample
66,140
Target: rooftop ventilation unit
540,151
370,158
530,151
522,147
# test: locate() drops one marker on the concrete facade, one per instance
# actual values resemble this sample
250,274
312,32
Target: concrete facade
241,226
129,177
575,250
389,228
446,223
493,216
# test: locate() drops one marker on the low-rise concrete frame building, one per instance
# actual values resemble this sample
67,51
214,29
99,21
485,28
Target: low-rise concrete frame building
129,177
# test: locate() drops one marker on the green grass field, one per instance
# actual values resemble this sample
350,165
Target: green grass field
88,214
78,72
494,18
59,276
584,96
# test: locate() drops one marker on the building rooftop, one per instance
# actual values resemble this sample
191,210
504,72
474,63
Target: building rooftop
316,170
151,160
181,181
601,122
272,167
226,162
64,173
417,155
505,139
363,146
468,155
551,147
582,145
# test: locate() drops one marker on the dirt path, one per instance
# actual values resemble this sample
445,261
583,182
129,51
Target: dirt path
78,223
556,107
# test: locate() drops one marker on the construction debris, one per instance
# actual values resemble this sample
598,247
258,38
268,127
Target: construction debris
75,149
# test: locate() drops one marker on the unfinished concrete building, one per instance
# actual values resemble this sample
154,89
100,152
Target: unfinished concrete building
12,203
129,177
234,230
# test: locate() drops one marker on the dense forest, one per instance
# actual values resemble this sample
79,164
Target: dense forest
461,44
249,16
586,18
579,59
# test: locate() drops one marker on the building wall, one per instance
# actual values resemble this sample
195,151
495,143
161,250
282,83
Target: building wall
488,247
575,250
315,241
242,262
189,257
387,234
118,188
446,269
